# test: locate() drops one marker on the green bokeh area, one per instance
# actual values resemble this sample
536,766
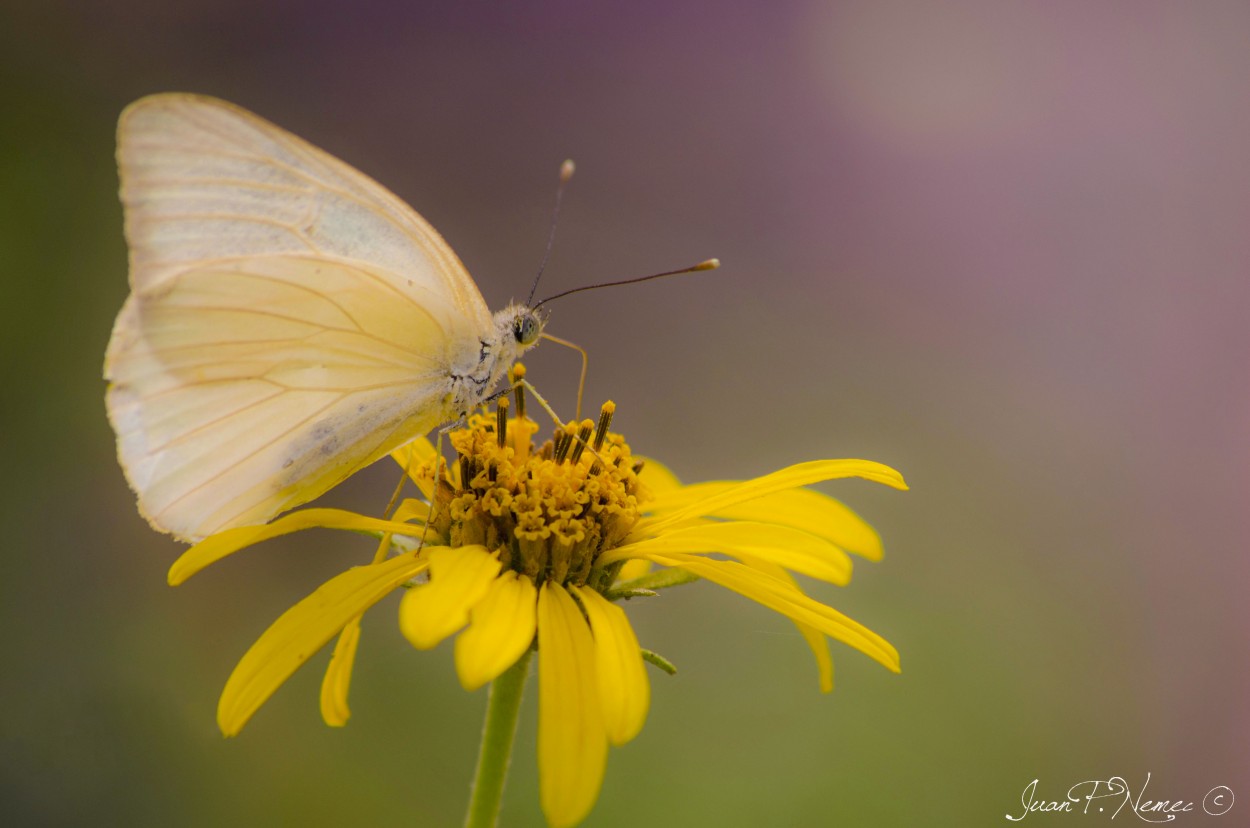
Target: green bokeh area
1001,248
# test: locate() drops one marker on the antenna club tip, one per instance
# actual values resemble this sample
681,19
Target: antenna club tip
567,169
710,264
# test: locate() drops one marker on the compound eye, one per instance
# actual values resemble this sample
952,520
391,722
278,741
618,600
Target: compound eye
526,329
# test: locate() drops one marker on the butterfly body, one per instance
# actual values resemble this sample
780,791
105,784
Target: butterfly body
290,320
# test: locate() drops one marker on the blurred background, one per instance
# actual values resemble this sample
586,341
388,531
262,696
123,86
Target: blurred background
1001,247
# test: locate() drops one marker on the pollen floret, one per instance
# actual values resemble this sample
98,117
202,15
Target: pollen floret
550,511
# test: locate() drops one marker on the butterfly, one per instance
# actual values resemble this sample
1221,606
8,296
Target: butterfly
289,322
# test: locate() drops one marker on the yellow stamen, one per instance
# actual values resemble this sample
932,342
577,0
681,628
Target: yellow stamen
515,376
605,420
548,513
563,442
582,436
501,422
601,431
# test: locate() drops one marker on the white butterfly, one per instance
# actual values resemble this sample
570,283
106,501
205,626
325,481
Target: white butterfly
290,320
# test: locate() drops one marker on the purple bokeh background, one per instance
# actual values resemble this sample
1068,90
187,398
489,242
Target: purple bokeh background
1002,247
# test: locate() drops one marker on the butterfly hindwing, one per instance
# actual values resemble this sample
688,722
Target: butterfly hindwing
239,393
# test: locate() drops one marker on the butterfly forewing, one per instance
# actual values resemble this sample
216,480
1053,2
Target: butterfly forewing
203,179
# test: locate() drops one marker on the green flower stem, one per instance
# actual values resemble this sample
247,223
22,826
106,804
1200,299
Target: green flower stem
496,751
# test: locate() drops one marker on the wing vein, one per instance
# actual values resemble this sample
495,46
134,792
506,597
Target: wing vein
365,356
394,213
207,181
294,427
357,331
164,218
173,441
198,383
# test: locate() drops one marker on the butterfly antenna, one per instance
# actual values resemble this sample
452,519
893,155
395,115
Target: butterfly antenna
566,172
707,264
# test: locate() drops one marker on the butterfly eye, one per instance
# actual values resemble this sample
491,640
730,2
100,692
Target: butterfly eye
526,329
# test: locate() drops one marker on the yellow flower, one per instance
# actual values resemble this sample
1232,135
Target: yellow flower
536,545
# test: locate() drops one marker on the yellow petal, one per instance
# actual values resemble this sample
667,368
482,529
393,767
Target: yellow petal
786,599
411,509
572,744
412,456
303,630
804,509
815,639
635,568
791,477
791,548
334,686
459,578
624,690
501,629
214,548
657,477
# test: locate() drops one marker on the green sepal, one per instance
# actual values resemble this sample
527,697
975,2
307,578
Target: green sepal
659,661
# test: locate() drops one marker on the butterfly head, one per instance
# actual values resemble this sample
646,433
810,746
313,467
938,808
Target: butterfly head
527,327
517,329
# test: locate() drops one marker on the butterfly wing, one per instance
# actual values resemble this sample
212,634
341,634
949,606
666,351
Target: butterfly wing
203,179
290,321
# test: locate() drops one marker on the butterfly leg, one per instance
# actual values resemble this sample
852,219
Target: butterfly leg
399,487
524,383
333,699
459,422
581,382
438,466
